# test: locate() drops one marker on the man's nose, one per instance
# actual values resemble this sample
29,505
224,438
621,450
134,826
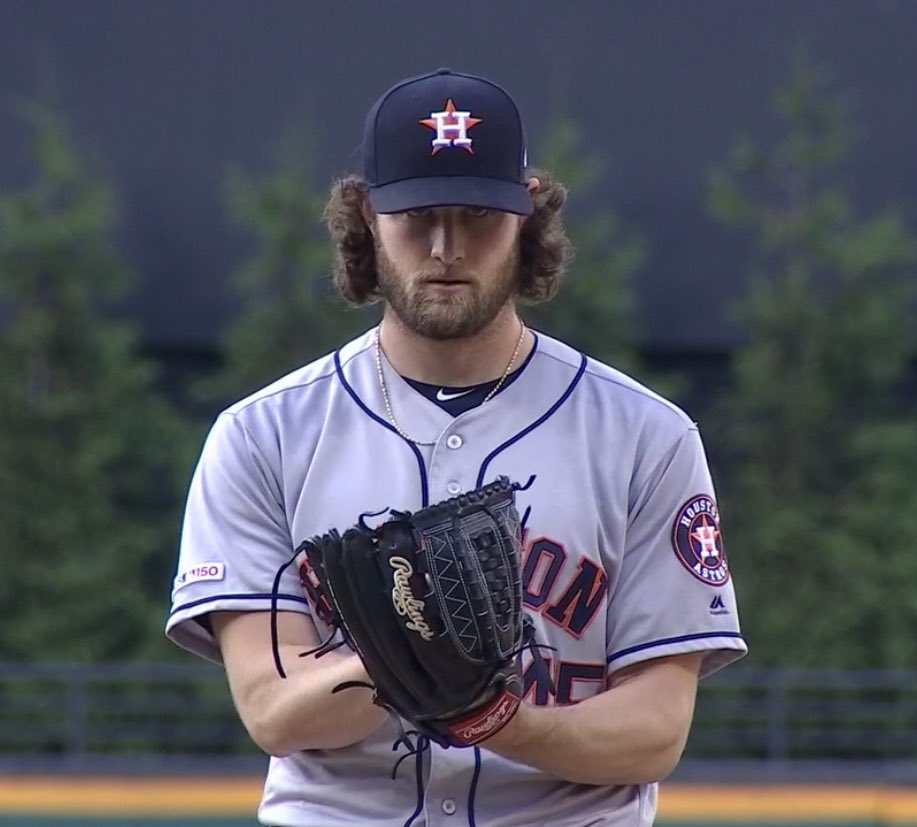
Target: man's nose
446,242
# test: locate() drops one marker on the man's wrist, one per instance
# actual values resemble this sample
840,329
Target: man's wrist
519,730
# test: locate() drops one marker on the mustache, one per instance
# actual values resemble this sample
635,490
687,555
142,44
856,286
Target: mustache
443,272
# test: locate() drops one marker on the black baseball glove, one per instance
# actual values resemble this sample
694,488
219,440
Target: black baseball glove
432,603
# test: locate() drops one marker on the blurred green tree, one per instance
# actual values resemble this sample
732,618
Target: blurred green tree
92,460
290,311
819,499
595,308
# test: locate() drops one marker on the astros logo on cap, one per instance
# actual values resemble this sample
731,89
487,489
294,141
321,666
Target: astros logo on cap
451,127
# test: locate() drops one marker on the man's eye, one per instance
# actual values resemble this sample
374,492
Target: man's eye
477,212
418,213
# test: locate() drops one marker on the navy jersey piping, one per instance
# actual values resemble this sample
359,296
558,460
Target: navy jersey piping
636,388
424,488
646,393
511,441
537,423
474,786
261,395
425,501
421,794
244,404
249,596
640,647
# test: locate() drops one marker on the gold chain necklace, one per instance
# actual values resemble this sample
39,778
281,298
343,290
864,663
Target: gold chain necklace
388,404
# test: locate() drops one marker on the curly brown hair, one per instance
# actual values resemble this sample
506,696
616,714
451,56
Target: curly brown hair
544,249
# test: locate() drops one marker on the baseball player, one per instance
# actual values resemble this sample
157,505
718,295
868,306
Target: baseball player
624,572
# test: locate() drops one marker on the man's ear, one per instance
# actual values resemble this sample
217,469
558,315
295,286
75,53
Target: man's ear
533,185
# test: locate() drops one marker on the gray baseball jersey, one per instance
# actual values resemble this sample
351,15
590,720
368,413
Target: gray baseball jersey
623,557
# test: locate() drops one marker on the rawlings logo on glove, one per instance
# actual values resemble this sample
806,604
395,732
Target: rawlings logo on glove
403,598
487,722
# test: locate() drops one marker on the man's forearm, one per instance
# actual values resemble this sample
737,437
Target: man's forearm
633,733
300,711
303,712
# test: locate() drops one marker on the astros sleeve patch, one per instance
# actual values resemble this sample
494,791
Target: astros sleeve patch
698,541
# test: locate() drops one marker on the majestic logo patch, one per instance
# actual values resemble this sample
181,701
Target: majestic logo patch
718,607
698,541
451,127
404,601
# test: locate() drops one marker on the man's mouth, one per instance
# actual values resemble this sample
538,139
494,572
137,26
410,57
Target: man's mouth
447,280
447,285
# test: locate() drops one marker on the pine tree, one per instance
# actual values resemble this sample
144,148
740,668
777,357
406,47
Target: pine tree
819,505
595,308
290,311
92,461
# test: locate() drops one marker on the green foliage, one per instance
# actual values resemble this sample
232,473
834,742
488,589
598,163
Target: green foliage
290,310
90,459
819,499
594,310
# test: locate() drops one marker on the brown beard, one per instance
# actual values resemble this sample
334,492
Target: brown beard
446,317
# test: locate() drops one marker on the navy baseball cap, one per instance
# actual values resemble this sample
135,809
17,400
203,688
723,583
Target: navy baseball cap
445,139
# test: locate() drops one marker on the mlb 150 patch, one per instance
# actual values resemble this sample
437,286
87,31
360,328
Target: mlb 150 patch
204,571
698,541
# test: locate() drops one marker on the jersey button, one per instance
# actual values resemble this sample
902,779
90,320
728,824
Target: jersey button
453,488
448,806
454,441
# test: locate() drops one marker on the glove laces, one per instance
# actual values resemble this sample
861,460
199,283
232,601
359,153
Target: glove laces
529,642
416,742
329,644
275,593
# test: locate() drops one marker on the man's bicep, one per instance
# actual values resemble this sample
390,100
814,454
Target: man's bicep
680,670
667,683
246,636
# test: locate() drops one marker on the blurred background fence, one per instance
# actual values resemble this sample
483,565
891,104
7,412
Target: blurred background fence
772,723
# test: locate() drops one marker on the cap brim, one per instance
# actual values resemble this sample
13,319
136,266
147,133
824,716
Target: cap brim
486,193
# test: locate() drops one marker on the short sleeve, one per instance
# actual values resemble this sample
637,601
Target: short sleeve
674,594
235,538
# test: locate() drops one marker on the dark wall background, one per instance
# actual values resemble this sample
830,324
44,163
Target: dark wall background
169,94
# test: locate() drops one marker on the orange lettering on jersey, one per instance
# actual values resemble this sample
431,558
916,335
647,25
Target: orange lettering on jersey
576,607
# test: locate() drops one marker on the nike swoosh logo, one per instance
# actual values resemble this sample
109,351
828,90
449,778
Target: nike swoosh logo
445,397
